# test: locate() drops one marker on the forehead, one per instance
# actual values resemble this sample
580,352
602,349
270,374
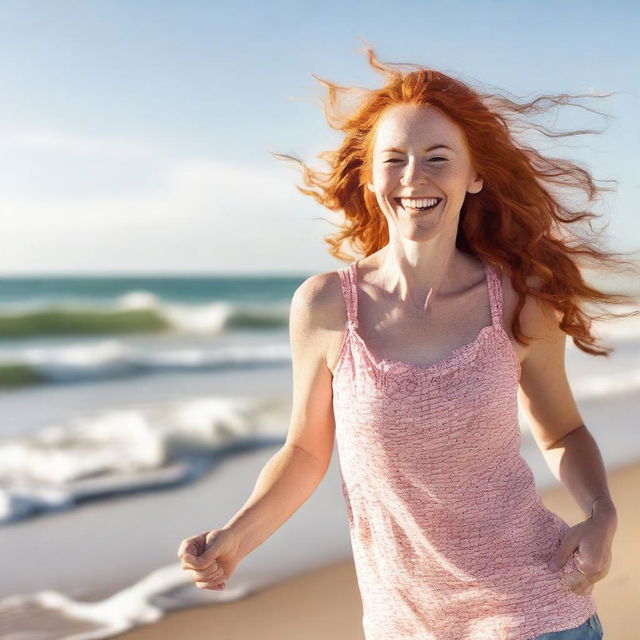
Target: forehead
406,124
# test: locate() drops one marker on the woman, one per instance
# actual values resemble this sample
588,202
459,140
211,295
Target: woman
467,290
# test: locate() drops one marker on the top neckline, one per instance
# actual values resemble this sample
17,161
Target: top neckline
454,357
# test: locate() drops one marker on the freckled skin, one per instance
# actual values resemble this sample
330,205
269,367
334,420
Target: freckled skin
412,171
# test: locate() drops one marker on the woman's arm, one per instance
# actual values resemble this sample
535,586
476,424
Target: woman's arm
576,461
293,473
568,447
557,427
288,479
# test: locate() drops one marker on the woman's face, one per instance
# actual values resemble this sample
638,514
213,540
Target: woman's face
420,154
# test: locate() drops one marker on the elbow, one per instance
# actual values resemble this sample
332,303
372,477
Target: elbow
560,441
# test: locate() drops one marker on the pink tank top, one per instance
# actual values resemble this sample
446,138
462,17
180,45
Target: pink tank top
450,538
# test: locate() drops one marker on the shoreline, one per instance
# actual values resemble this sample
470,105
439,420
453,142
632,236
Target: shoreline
325,603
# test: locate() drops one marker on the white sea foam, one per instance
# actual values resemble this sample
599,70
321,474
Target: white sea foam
82,361
128,450
207,318
50,615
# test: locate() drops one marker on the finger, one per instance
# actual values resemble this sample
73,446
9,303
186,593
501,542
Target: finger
584,568
589,569
206,576
211,586
193,545
585,590
563,552
189,547
192,562
578,583
186,548
206,559
198,563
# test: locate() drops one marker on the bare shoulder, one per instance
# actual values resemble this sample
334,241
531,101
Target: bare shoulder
318,313
539,320
544,391
319,298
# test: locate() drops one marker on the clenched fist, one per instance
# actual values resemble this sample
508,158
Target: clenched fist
210,557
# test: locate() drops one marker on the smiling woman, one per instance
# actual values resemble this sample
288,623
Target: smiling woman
513,217
412,358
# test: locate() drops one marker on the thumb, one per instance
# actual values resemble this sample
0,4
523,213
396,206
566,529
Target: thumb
191,550
211,550
562,553
208,553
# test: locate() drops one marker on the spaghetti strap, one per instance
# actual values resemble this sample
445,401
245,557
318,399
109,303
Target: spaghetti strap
348,279
494,285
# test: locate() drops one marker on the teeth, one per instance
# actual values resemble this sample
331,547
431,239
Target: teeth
418,203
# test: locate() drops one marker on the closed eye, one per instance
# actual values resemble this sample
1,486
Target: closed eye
439,158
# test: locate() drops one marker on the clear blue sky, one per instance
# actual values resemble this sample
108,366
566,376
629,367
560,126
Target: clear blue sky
136,135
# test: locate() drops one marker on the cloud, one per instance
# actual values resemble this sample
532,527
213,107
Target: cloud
204,215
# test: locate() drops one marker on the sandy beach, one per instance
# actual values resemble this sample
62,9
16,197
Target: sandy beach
326,603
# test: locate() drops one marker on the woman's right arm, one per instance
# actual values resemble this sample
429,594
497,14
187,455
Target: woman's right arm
290,476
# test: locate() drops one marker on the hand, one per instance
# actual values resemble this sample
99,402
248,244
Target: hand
210,557
590,543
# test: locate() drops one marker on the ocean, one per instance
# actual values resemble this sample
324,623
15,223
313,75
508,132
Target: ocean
78,329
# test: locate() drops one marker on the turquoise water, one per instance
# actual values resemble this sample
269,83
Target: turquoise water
70,329
119,305
186,289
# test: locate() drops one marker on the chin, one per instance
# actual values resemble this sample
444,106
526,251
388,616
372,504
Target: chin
418,228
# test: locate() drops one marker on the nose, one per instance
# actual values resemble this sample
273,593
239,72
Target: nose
412,174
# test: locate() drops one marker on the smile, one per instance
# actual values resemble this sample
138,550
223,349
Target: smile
418,204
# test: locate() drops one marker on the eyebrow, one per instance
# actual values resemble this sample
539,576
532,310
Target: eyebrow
435,146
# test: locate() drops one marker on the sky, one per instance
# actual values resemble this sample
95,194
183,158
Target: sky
136,136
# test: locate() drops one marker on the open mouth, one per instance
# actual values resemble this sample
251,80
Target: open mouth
422,204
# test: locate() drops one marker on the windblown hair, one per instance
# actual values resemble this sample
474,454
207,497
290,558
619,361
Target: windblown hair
515,222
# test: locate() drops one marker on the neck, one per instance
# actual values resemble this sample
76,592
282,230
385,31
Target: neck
419,277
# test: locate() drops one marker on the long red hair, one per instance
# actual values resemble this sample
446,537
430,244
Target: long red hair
515,222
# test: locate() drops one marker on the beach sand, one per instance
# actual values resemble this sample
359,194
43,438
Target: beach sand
325,604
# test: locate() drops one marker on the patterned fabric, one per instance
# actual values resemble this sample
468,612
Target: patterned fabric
450,538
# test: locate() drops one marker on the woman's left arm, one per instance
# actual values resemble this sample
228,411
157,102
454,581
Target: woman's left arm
570,450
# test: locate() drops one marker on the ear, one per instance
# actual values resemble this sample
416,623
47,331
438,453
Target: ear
476,185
